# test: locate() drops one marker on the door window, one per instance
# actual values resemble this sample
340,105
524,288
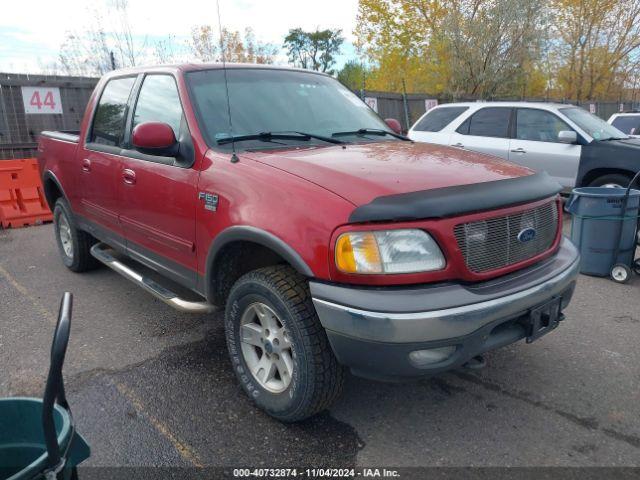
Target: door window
538,125
437,119
159,102
109,119
488,122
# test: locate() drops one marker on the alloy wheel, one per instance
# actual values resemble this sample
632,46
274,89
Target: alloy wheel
64,232
266,347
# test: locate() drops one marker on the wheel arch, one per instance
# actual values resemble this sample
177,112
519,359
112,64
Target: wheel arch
239,249
52,189
594,173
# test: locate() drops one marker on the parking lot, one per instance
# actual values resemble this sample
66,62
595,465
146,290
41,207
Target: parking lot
151,386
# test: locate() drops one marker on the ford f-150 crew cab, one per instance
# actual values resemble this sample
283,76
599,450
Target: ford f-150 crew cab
331,241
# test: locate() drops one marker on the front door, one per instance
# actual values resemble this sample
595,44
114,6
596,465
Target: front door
100,163
535,145
159,195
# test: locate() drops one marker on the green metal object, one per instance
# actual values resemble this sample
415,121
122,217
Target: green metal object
23,453
38,437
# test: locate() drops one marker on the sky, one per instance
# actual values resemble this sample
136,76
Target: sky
31,32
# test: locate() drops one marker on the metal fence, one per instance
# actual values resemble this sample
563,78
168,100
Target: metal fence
30,104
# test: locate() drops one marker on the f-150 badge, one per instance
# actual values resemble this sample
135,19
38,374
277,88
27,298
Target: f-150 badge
210,200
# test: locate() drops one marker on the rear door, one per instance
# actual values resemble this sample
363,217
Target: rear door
159,194
430,127
100,162
535,145
486,131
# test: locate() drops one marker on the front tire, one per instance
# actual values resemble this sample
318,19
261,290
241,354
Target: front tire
279,350
74,244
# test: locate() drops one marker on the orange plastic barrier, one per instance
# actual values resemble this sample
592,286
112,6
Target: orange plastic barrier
22,200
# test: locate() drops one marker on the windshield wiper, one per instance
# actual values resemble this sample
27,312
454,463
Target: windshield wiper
371,131
270,136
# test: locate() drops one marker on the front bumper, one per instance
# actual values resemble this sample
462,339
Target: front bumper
374,330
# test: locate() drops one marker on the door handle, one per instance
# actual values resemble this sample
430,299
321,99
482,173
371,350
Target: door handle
86,165
459,145
129,176
519,150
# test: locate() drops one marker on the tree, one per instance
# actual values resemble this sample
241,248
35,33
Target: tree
456,47
129,50
488,44
598,53
204,43
353,75
313,50
89,52
396,36
207,46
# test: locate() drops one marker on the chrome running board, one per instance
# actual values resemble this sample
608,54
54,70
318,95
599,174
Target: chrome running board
99,251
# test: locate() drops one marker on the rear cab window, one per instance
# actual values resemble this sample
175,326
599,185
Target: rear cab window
109,118
629,124
438,118
488,122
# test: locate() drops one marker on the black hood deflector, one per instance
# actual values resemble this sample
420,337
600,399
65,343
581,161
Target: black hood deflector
457,200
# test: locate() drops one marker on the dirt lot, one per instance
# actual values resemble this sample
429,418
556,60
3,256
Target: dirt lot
150,386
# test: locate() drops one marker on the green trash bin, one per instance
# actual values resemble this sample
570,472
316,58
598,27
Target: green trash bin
23,452
38,437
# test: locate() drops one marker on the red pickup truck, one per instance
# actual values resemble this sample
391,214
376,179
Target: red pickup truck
331,240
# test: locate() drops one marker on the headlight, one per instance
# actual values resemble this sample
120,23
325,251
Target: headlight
388,251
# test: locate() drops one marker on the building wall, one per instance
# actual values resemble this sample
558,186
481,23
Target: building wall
18,130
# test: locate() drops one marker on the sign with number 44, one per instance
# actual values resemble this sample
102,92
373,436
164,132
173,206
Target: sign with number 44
41,100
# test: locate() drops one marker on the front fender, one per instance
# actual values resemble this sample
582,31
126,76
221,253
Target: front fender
248,233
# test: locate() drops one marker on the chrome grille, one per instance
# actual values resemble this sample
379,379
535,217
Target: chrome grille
493,243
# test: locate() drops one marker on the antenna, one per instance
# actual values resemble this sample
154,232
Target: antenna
234,157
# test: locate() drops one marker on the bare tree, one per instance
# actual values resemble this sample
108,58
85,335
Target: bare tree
489,43
129,50
165,50
86,54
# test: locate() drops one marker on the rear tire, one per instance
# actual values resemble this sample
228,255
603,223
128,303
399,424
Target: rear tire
74,245
306,377
613,180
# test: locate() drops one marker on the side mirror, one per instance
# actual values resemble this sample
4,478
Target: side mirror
394,125
567,136
155,138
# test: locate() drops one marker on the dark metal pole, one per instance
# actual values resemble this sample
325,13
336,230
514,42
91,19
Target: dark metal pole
113,60
404,102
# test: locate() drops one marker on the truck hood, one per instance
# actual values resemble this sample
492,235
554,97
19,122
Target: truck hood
362,172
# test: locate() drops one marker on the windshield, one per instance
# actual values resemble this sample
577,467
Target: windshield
592,125
264,100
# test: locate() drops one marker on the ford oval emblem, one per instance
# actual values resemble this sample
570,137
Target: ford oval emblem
527,235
